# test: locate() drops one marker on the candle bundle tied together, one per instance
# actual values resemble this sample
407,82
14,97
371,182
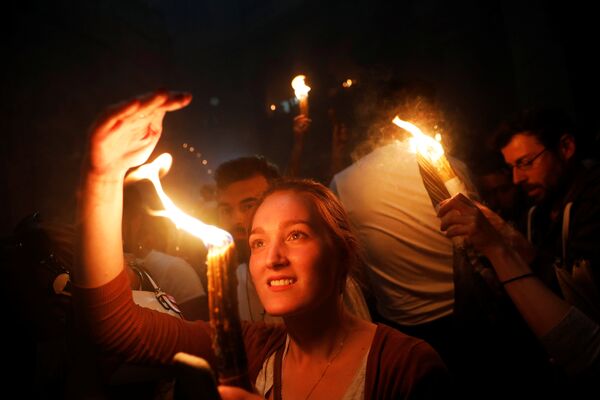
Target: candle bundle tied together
439,178
227,341
224,318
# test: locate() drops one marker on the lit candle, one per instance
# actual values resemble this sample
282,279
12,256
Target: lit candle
439,178
301,91
224,317
225,322
441,182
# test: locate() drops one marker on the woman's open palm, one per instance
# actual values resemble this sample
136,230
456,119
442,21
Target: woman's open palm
126,134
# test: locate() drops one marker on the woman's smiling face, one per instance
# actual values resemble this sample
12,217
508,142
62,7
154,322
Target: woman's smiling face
291,262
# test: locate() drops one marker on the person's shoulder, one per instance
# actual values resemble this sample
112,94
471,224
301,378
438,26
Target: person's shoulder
584,190
260,340
411,353
262,334
406,366
389,336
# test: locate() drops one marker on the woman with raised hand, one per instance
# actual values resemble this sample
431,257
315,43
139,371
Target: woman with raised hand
302,248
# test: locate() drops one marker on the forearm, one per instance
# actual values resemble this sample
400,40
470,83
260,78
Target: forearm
575,343
540,307
136,334
99,252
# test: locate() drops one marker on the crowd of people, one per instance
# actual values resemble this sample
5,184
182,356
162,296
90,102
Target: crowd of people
355,288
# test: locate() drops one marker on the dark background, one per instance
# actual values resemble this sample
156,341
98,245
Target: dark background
64,61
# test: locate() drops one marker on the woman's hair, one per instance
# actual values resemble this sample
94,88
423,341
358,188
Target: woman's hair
334,218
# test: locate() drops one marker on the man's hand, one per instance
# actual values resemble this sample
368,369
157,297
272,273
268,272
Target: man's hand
126,134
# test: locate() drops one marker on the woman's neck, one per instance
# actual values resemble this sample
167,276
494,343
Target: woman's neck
317,334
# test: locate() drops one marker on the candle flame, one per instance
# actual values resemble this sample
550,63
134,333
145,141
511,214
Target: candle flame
300,88
425,145
212,236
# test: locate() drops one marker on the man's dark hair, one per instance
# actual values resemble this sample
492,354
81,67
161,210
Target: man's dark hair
243,168
546,124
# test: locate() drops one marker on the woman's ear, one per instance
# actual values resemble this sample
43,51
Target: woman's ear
567,146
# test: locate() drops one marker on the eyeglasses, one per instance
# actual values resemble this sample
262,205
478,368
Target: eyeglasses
525,164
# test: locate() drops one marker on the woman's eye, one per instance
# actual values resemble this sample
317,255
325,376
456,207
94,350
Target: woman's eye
255,244
296,235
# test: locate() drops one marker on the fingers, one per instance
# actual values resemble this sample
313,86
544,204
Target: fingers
453,217
114,114
458,202
146,110
162,101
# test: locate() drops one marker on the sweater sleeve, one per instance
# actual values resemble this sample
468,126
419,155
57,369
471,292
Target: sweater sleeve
574,343
119,327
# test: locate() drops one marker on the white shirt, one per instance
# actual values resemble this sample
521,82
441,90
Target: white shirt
409,259
174,275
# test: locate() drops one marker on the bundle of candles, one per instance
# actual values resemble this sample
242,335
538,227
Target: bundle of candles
439,178
227,339
441,182
224,317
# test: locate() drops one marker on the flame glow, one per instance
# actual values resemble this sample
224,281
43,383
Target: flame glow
300,88
425,145
210,235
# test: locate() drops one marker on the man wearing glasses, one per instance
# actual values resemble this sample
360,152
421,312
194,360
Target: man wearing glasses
564,225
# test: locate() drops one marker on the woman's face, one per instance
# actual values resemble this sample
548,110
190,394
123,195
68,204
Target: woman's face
291,258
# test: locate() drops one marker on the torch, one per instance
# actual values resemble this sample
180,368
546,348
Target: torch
439,178
301,91
441,182
225,322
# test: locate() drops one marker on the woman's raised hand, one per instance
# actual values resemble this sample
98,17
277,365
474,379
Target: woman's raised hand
125,135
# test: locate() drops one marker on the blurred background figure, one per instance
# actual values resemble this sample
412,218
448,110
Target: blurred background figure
146,237
497,190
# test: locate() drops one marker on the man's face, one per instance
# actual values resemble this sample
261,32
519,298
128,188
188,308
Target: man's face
236,203
537,169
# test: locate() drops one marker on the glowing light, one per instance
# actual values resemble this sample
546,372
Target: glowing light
273,107
347,83
300,88
212,236
421,143
192,149
438,138
204,162
185,145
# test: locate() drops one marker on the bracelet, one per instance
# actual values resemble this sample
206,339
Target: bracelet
516,278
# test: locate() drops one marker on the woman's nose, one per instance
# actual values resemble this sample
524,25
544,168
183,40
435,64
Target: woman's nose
276,255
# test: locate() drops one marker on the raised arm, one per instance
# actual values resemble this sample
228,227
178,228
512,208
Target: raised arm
553,320
123,137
